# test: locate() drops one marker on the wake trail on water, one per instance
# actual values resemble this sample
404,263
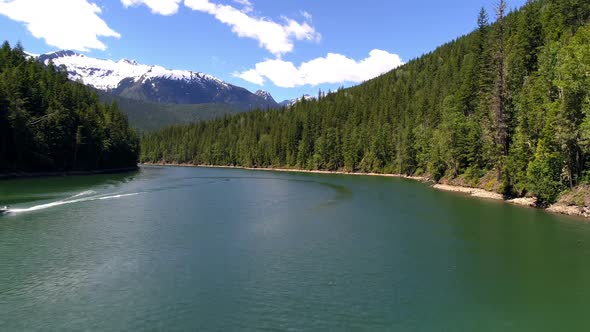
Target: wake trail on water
84,193
78,198
85,196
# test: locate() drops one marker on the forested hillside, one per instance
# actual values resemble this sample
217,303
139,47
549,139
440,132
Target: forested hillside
48,123
503,108
148,116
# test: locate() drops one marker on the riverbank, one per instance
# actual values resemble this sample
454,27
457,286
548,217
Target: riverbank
295,170
481,193
561,207
21,175
531,202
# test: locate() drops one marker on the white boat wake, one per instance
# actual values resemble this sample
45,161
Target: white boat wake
84,193
73,199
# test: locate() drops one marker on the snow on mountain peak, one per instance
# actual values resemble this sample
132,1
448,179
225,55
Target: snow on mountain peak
291,102
264,94
107,74
63,53
131,62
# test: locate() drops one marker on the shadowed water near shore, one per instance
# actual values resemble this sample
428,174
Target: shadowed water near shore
225,249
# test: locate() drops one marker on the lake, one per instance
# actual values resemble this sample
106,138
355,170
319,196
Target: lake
192,249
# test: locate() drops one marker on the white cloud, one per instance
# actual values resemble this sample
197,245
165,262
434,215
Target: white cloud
65,24
277,38
246,5
307,15
334,68
162,7
251,76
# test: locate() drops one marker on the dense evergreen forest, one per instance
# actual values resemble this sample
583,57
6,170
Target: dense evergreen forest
504,108
48,123
149,116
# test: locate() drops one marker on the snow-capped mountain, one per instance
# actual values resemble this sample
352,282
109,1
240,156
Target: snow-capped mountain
291,102
129,79
266,95
107,74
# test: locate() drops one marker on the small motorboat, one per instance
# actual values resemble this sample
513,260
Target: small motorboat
4,209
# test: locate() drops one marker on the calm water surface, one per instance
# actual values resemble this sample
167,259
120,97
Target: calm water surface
223,250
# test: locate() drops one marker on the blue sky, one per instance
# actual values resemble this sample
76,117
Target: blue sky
287,47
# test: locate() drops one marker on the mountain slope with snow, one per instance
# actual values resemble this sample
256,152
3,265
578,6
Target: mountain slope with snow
129,79
291,102
266,95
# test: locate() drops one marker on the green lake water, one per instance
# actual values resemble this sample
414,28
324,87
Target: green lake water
187,249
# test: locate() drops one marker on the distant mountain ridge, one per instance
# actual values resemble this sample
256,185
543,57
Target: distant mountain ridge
129,79
265,95
291,102
147,116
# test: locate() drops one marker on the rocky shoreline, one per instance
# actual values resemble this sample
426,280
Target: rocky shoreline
571,210
294,170
481,193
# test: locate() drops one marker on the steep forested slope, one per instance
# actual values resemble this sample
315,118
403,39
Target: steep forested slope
504,108
148,116
48,123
